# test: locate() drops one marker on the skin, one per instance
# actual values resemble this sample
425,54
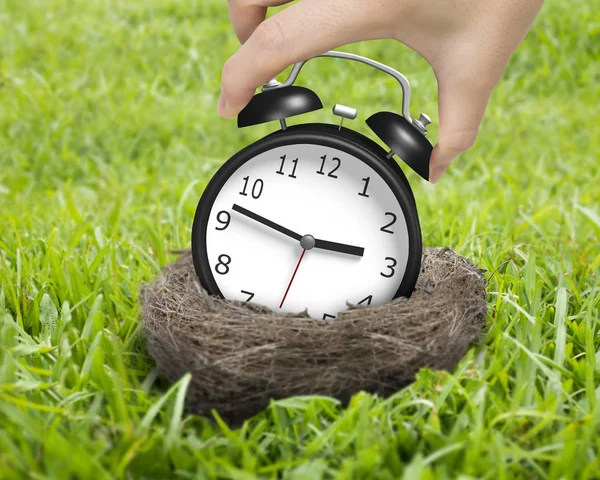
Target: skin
467,43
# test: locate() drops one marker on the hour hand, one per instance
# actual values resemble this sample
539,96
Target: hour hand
339,247
266,222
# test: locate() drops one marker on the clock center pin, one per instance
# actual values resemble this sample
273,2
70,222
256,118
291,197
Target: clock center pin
307,242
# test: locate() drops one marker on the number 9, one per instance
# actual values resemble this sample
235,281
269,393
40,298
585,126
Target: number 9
223,222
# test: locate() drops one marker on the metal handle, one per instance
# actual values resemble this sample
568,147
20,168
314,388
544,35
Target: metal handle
274,84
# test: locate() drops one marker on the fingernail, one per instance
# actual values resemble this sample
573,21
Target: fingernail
223,107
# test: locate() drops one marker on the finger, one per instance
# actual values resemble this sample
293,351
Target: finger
301,31
246,15
462,100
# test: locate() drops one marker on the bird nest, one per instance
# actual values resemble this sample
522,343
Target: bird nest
241,355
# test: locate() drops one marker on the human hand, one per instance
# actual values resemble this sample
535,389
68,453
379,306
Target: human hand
467,43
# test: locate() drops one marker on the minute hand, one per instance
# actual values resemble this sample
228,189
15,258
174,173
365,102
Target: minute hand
266,221
339,247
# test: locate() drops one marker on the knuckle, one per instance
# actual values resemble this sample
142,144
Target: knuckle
460,141
228,72
270,36
228,77
233,86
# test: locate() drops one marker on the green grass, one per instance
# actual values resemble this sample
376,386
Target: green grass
108,135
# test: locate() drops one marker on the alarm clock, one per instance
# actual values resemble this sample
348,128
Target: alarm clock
314,217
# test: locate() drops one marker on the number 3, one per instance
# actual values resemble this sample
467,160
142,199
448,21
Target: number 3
391,267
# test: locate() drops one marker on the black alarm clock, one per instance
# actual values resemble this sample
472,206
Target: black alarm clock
314,217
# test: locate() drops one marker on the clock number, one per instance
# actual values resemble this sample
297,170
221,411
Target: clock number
280,171
330,174
391,267
385,227
257,187
364,192
223,222
366,299
224,261
326,316
248,293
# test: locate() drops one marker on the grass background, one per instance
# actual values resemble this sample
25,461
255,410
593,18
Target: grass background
108,135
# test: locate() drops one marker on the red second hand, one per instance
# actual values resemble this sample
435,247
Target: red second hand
292,279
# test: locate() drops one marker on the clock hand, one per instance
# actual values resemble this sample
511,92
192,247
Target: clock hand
265,221
292,279
339,247
322,244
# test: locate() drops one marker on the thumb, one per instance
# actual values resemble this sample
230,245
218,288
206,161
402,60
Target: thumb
301,31
462,101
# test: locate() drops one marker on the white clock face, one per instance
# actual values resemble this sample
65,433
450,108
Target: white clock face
316,192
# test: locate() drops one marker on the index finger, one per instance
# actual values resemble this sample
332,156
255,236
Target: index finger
299,32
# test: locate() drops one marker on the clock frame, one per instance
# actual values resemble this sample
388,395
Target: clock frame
327,135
